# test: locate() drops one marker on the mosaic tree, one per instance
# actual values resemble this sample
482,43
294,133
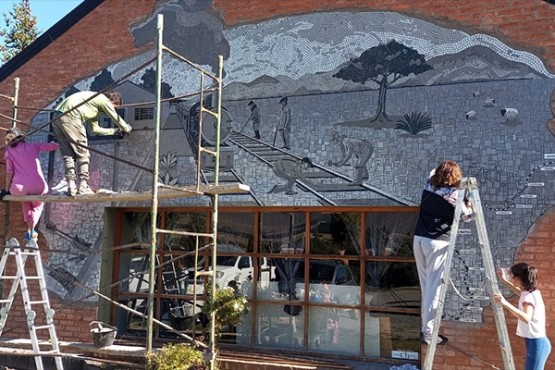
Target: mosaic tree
384,65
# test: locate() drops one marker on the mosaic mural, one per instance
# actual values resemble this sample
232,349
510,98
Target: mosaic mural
335,108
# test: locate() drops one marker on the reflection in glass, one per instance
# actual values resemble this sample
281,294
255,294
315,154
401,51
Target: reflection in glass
387,332
335,234
191,222
235,232
134,273
333,330
326,283
132,321
241,333
398,285
175,274
279,326
183,316
390,234
282,232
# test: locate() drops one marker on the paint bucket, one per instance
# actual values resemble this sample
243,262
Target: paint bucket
103,334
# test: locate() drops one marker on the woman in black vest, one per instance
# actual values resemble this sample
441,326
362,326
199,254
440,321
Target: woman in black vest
431,238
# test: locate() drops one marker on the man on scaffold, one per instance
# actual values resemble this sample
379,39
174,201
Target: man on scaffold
70,131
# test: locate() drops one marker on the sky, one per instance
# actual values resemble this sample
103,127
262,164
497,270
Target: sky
48,12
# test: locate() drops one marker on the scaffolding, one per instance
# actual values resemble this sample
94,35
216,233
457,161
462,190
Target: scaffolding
161,191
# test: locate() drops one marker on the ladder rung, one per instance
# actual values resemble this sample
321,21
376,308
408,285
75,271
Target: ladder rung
33,277
38,302
10,277
42,327
205,273
5,301
51,352
29,253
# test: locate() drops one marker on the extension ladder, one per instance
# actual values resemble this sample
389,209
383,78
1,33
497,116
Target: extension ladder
21,279
469,187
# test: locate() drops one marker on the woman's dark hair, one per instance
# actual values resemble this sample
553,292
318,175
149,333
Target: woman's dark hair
447,173
14,136
528,275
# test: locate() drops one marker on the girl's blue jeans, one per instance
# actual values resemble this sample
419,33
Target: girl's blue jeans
537,352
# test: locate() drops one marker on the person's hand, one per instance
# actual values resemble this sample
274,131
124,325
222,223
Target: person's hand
127,130
498,297
3,193
503,275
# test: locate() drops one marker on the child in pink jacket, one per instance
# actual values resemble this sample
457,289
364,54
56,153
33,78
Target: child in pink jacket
24,175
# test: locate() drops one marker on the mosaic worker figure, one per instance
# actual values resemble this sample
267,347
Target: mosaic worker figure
431,238
353,147
74,111
290,170
254,118
285,123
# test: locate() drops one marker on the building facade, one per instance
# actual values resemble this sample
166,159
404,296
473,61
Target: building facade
334,114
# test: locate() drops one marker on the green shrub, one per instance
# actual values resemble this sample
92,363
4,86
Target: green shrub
176,357
228,305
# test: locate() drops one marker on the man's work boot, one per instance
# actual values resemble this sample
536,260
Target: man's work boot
84,188
71,188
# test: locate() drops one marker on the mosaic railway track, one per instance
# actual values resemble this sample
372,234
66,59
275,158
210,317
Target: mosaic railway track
321,180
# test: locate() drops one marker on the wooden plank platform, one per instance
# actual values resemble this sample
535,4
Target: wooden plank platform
134,196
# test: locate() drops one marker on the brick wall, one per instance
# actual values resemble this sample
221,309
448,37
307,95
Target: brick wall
99,39
103,37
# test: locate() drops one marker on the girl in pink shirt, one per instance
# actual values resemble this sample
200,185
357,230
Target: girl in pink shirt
24,175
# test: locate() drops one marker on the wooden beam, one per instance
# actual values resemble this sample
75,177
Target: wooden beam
133,196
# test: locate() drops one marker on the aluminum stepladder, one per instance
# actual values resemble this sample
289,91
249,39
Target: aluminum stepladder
469,187
21,279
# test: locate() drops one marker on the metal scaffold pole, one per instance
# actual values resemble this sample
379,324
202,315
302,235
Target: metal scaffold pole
154,207
15,100
215,200
14,115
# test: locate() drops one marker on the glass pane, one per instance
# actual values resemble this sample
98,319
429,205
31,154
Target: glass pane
279,326
390,234
179,313
333,330
191,222
129,320
134,273
331,281
286,280
175,274
244,329
282,232
137,228
235,232
240,334
335,234
392,284
392,335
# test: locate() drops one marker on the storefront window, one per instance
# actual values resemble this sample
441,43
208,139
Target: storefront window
313,279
